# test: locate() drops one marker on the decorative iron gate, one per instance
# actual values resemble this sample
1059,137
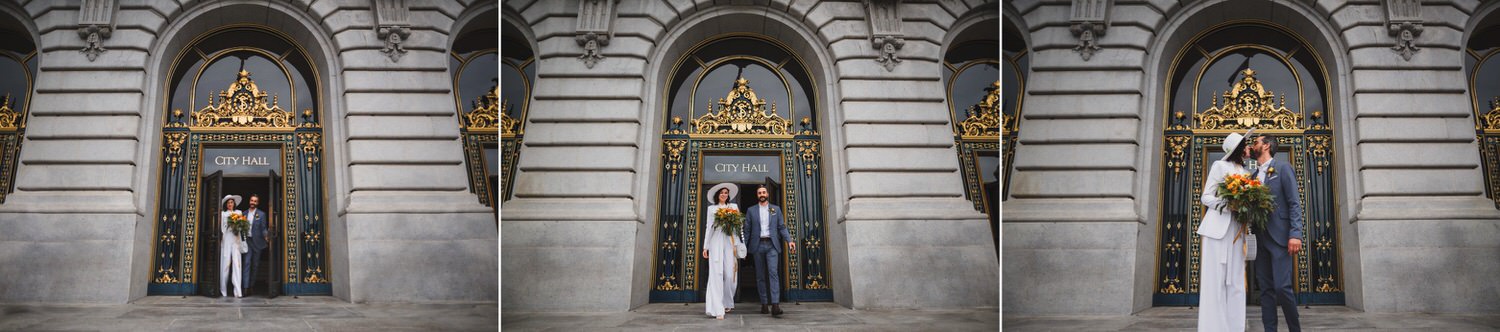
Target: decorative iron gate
1192,143
740,127
241,115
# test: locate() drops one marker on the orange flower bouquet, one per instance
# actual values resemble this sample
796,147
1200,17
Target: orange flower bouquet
729,220
1248,200
238,224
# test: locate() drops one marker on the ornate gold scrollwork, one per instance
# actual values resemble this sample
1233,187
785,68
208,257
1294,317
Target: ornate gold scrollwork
1248,105
309,143
741,113
10,119
1491,118
673,153
808,151
666,283
984,119
1318,145
486,114
314,276
174,148
165,276
1176,156
243,105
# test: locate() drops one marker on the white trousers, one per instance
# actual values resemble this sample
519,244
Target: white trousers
1221,298
229,254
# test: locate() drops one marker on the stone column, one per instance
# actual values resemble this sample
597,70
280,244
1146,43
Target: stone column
70,226
413,230
1071,231
910,238
570,233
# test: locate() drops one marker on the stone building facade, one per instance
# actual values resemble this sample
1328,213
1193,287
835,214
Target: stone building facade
625,112
1385,107
349,119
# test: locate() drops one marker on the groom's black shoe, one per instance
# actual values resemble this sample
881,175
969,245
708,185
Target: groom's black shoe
776,310
763,309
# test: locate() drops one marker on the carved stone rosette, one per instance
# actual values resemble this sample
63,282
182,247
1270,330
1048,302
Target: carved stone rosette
1089,20
741,113
1404,22
594,29
243,105
95,24
1248,105
393,36
885,31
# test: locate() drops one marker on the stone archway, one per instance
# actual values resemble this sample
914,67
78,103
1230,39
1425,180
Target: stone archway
293,24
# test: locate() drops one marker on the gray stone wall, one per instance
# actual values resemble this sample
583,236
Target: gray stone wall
402,225
1410,176
900,232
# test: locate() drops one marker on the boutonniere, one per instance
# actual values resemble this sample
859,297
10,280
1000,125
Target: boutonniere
1271,171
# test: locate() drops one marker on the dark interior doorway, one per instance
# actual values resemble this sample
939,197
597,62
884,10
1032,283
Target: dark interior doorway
266,281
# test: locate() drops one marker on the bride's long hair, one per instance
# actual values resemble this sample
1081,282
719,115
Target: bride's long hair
1238,156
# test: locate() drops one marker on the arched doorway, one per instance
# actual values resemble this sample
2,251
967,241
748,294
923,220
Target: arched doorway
756,128
1229,78
1482,60
474,61
225,131
981,114
18,68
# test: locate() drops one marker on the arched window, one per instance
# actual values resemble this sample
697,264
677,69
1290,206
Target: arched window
711,70
517,76
1230,78
214,61
17,72
474,61
1482,58
981,116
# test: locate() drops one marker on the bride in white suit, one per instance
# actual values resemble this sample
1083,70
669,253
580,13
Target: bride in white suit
230,247
1221,300
722,252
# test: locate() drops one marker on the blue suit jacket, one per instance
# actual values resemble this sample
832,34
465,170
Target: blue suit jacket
258,230
1286,219
778,235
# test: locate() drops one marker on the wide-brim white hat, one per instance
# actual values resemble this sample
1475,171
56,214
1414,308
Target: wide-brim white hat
236,199
734,191
1233,141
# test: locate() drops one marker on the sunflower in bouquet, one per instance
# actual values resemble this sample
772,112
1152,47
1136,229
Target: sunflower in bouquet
1248,200
238,224
729,220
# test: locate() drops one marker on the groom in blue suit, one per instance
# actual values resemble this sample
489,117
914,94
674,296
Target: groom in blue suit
258,241
1282,238
765,231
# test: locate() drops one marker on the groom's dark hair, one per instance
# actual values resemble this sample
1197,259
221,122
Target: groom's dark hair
1271,144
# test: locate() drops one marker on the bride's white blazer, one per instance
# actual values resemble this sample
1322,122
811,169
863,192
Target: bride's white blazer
1216,224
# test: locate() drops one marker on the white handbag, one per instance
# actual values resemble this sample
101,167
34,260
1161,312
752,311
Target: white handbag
1251,247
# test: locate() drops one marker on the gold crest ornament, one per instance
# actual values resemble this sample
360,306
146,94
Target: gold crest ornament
741,113
243,105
